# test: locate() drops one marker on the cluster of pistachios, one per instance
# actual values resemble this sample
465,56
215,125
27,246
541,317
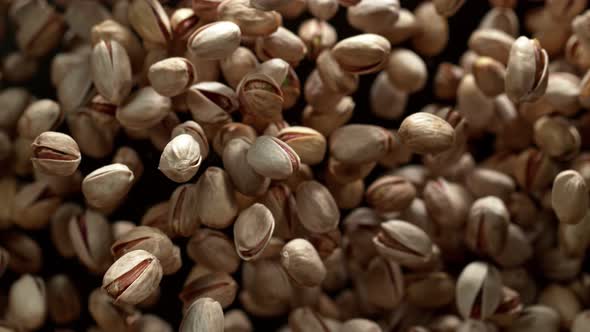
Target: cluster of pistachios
467,215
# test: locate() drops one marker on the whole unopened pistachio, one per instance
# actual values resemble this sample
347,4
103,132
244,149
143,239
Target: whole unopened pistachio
151,240
107,186
487,225
172,76
252,21
430,32
182,213
387,101
404,243
55,154
214,250
150,20
302,263
316,207
365,14
526,80
204,315
91,238
281,44
487,182
362,54
448,7
478,292
181,158
215,41
489,76
133,277
359,144
390,194
144,109
407,71
253,230
111,71
216,205
27,302
63,299
40,116
273,158
426,133
569,197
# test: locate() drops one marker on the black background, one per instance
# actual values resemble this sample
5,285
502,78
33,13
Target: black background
153,187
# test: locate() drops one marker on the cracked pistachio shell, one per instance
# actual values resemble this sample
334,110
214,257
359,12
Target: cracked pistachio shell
107,186
316,208
253,230
91,237
181,158
133,277
144,109
182,213
25,253
214,250
172,76
309,144
60,236
390,194
211,102
359,144
217,206
218,286
261,96
111,30
404,243
149,239
447,202
569,197
425,133
40,116
252,21
215,41
111,71
372,15
204,315
243,176
302,263
487,225
55,154
149,19
273,158
479,290
63,299
557,137
27,302
362,54
527,70
196,131
534,170
384,283
237,65
317,35
333,77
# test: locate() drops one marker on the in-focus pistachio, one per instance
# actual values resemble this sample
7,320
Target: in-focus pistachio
107,186
526,80
569,197
181,158
55,154
215,41
253,230
302,263
362,54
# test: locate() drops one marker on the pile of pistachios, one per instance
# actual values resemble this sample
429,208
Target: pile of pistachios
320,166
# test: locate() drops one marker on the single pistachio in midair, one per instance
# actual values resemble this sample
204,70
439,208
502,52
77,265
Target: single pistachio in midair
316,208
91,238
144,109
216,205
215,41
204,315
172,76
219,286
479,290
362,54
360,144
426,133
404,243
181,158
133,277
182,215
273,158
55,154
373,16
107,186
261,96
390,193
569,197
487,226
40,116
406,70
253,230
309,144
527,71
111,71
302,263
150,20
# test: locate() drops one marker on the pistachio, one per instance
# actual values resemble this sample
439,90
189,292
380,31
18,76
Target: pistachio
181,158
107,186
203,315
252,21
404,243
218,286
196,131
182,212
40,116
302,263
365,14
273,158
489,76
362,54
318,36
253,230
31,312
526,80
216,206
487,226
426,133
430,31
448,7
358,144
316,207
281,44
478,290
133,277
406,70
387,101
243,176
498,45
111,71
63,299
569,197
144,109
390,194
91,238
55,154
215,41
261,97
172,76
150,20
214,250
309,144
